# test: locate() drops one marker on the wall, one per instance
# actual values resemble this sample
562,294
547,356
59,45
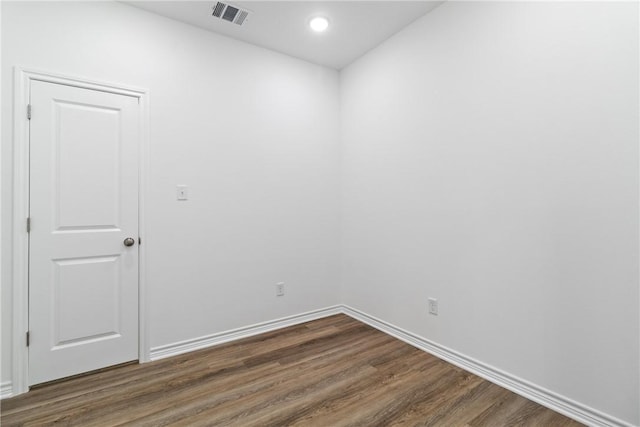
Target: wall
253,133
491,161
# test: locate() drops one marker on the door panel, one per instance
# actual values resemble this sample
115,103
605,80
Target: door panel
83,281
85,288
89,150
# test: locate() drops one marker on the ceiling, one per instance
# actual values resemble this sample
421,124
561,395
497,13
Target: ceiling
355,26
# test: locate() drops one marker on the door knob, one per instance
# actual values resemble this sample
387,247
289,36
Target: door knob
129,241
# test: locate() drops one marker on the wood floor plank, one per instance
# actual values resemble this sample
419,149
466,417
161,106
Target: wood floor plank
296,380
238,388
330,372
305,410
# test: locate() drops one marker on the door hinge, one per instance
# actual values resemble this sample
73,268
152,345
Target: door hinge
28,111
28,338
29,225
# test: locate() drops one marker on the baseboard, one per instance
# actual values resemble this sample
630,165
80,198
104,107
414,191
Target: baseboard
236,334
549,399
6,390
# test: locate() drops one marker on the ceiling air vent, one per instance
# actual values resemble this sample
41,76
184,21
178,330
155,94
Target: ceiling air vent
230,13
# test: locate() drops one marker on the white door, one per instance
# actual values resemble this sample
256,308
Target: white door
83,279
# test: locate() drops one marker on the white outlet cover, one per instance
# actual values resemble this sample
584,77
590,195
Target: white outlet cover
433,306
182,192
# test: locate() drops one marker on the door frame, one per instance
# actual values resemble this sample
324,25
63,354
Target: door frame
21,175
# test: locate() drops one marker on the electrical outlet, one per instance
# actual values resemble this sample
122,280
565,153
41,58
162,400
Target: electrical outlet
280,289
433,306
182,192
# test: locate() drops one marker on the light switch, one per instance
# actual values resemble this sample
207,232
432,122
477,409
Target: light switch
182,192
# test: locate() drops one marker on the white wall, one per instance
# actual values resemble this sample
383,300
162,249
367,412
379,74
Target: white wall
491,161
253,133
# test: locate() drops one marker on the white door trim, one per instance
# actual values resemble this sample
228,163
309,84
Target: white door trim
20,248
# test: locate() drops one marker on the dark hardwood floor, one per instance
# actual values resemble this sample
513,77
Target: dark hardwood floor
330,372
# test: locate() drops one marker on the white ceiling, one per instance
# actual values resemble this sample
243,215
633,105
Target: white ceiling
355,26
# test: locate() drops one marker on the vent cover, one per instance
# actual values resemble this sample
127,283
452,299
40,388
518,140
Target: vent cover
230,13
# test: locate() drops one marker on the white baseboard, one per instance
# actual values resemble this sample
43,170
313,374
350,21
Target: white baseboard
6,390
236,334
547,398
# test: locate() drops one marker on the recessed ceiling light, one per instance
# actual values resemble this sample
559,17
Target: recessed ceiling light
319,24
